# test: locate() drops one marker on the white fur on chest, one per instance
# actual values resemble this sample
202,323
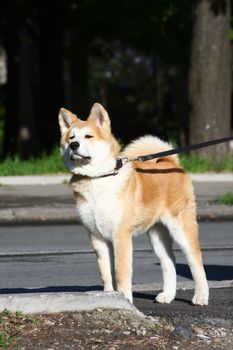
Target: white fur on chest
101,210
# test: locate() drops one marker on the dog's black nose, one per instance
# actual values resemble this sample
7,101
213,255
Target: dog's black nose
74,145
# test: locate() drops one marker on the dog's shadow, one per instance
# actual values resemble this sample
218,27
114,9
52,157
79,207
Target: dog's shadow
213,272
52,289
151,297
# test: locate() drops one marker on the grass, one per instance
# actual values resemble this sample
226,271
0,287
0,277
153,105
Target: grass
12,326
7,337
53,164
43,164
226,199
200,164
5,340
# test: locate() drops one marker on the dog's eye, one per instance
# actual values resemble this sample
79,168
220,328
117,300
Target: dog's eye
88,136
72,137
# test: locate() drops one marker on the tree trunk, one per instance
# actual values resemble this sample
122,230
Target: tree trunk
51,96
11,118
210,75
27,141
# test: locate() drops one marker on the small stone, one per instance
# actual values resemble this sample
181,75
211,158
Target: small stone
126,332
198,330
168,328
203,336
153,319
222,332
182,331
141,331
124,312
217,340
49,323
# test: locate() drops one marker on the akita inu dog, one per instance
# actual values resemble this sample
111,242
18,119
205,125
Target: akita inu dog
141,197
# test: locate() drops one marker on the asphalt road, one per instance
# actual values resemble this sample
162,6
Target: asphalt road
219,312
59,257
53,258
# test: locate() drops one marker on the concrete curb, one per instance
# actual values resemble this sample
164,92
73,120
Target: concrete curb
57,211
44,303
212,211
33,303
34,180
38,214
212,177
63,178
67,214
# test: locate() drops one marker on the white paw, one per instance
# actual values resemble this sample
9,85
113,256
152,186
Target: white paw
164,298
127,294
201,298
108,288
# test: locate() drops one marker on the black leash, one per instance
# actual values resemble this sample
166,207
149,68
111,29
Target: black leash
184,149
120,162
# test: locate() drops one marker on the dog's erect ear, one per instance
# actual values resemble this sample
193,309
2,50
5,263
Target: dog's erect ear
99,114
66,118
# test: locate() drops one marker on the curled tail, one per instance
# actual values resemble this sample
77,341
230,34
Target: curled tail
147,145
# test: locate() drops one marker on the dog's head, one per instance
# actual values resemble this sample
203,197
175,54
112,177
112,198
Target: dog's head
87,142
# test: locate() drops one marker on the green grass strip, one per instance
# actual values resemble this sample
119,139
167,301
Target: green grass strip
5,340
201,164
226,199
44,164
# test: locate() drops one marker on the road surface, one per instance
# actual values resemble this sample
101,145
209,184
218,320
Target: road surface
59,257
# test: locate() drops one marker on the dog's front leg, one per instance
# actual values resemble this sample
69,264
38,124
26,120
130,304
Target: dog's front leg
104,253
123,262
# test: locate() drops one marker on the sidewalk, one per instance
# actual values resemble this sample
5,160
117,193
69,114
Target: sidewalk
49,198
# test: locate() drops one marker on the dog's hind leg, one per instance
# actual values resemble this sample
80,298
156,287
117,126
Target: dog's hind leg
105,259
162,245
184,230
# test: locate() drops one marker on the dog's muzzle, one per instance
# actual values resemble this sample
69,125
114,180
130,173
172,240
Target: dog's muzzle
75,156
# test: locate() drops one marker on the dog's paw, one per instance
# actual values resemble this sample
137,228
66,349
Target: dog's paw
164,298
127,293
129,296
108,288
200,298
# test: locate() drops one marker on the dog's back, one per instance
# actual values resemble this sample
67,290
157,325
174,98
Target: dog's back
163,183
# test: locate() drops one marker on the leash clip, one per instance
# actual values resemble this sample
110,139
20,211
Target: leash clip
120,162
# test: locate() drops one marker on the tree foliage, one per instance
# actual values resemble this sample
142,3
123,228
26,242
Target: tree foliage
133,56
